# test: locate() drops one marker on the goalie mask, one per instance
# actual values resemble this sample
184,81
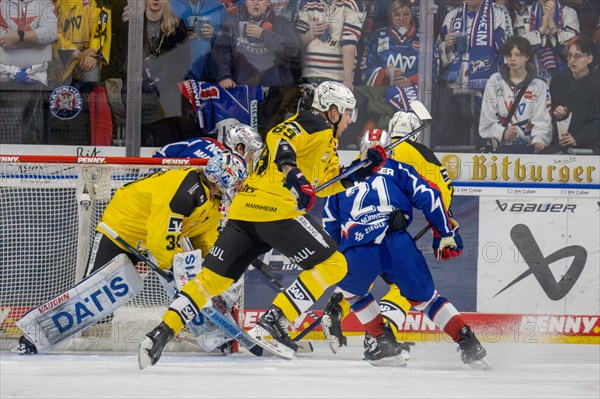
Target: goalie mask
403,123
334,93
248,138
374,137
228,172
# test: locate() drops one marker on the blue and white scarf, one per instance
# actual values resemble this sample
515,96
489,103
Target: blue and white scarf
480,55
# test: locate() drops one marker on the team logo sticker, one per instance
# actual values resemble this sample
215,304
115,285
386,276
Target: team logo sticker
65,102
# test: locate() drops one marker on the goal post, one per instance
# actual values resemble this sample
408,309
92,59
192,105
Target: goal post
49,209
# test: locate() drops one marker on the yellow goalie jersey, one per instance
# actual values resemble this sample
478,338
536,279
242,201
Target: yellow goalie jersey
264,197
427,166
156,211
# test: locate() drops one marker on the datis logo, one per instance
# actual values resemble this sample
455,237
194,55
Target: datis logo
539,265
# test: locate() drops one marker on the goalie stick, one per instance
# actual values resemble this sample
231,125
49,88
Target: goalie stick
317,321
251,344
426,120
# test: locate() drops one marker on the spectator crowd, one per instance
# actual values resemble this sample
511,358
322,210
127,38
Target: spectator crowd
511,76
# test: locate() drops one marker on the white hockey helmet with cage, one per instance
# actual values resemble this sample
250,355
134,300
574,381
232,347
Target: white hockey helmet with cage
228,172
249,138
334,93
403,123
374,137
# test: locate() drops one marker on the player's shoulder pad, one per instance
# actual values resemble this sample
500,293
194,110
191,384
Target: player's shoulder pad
190,194
425,152
311,123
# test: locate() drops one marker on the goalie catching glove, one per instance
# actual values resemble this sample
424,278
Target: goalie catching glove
301,189
447,246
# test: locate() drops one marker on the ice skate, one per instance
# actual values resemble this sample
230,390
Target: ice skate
472,353
405,345
331,323
152,346
26,347
277,325
385,351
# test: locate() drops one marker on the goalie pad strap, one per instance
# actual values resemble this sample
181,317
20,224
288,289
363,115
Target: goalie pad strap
88,302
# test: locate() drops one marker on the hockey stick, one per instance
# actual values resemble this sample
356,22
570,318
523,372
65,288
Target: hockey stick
303,347
213,315
317,321
426,120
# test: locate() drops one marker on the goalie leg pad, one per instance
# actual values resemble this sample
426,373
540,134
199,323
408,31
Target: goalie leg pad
91,300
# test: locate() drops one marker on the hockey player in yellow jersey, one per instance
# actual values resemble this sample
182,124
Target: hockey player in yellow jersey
153,213
270,212
393,305
84,39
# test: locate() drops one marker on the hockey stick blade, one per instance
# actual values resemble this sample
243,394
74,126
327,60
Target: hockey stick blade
426,121
253,346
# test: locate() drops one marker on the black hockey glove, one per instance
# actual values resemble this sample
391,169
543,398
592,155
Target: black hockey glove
301,189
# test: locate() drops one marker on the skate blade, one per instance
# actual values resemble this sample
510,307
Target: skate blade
482,364
259,334
144,359
394,361
332,340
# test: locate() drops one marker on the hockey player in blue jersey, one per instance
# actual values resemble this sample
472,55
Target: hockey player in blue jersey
241,139
369,221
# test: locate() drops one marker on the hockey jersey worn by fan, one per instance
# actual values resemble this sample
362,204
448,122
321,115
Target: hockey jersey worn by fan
201,147
532,117
218,109
387,47
323,55
396,186
264,197
157,210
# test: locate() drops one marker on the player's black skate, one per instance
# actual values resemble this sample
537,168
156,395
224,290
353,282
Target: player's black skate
331,322
385,351
277,325
26,347
405,345
152,346
472,353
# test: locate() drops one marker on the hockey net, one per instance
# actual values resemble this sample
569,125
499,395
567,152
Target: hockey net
49,208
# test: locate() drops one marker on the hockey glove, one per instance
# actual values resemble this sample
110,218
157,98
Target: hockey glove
447,246
301,189
377,157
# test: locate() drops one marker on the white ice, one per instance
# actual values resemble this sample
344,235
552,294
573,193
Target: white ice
519,371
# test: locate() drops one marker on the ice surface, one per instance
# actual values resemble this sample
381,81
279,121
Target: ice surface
519,371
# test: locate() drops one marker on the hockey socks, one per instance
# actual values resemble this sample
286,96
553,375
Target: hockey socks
443,314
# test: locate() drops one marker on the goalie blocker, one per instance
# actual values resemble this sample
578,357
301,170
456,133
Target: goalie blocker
88,302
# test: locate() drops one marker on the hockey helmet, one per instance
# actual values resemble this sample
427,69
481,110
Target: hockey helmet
374,137
249,138
334,93
228,172
403,123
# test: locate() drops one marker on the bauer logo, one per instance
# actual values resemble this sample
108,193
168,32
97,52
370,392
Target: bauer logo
539,265
89,306
175,225
533,207
65,102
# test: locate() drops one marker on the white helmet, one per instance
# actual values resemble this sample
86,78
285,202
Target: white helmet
403,123
228,172
374,137
334,93
249,138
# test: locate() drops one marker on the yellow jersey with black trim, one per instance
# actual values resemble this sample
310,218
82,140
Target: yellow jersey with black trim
264,197
157,210
427,165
